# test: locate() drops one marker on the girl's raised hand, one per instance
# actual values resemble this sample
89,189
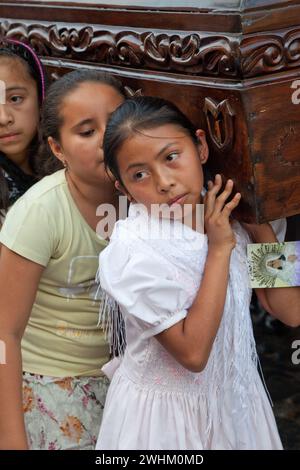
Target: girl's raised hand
217,213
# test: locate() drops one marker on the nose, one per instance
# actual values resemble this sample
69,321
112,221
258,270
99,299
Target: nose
164,181
6,117
101,136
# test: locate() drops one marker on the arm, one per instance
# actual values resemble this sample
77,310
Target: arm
19,279
284,302
190,340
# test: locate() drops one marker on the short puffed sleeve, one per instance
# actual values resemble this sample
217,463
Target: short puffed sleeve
144,286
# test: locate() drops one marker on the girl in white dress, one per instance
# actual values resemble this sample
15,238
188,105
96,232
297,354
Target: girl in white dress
188,378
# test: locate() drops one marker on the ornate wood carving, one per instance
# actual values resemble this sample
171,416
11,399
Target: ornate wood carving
198,53
254,130
130,92
219,118
201,54
268,53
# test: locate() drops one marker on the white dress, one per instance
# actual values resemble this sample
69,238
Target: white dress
153,402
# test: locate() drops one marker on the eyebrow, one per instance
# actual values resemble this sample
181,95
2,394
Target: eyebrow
11,88
83,122
133,165
88,121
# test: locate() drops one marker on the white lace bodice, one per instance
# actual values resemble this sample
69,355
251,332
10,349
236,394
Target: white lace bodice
154,281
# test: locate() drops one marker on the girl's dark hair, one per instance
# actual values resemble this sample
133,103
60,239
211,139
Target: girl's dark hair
136,115
51,119
14,49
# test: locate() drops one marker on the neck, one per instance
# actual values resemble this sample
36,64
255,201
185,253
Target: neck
22,161
92,194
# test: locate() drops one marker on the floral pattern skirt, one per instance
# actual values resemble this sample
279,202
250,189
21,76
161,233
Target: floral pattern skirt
63,413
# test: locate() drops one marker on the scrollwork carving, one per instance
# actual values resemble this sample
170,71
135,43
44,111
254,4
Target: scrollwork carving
269,53
202,54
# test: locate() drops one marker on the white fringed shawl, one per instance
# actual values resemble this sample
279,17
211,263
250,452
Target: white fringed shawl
233,356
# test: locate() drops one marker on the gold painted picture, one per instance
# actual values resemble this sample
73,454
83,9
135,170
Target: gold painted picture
274,264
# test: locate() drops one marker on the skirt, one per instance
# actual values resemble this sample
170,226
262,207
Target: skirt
63,413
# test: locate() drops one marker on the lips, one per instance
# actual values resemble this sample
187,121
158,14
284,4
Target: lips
8,137
177,200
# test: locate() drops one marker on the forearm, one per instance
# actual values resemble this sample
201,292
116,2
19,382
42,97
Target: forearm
202,322
12,428
284,304
16,300
190,340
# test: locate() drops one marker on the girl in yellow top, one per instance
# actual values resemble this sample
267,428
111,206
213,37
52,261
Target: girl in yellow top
48,302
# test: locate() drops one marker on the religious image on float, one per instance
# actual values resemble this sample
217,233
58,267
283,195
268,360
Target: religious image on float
274,264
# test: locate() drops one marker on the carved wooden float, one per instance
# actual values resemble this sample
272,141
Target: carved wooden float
232,66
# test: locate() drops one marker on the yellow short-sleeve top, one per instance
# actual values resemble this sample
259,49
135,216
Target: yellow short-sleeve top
45,226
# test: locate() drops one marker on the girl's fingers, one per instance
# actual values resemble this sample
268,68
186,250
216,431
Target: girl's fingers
210,197
216,185
221,200
230,206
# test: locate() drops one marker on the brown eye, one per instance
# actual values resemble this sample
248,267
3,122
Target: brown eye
139,175
172,156
87,133
16,99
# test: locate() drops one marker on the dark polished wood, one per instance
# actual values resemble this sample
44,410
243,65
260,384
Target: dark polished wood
230,65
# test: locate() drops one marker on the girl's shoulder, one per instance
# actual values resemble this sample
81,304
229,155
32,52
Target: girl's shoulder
162,248
130,244
38,214
46,189
125,243
48,196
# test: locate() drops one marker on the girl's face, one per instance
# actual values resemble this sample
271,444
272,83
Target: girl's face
19,115
85,112
163,166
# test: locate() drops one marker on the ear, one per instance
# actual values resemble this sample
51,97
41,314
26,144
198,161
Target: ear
56,149
123,190
202,146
